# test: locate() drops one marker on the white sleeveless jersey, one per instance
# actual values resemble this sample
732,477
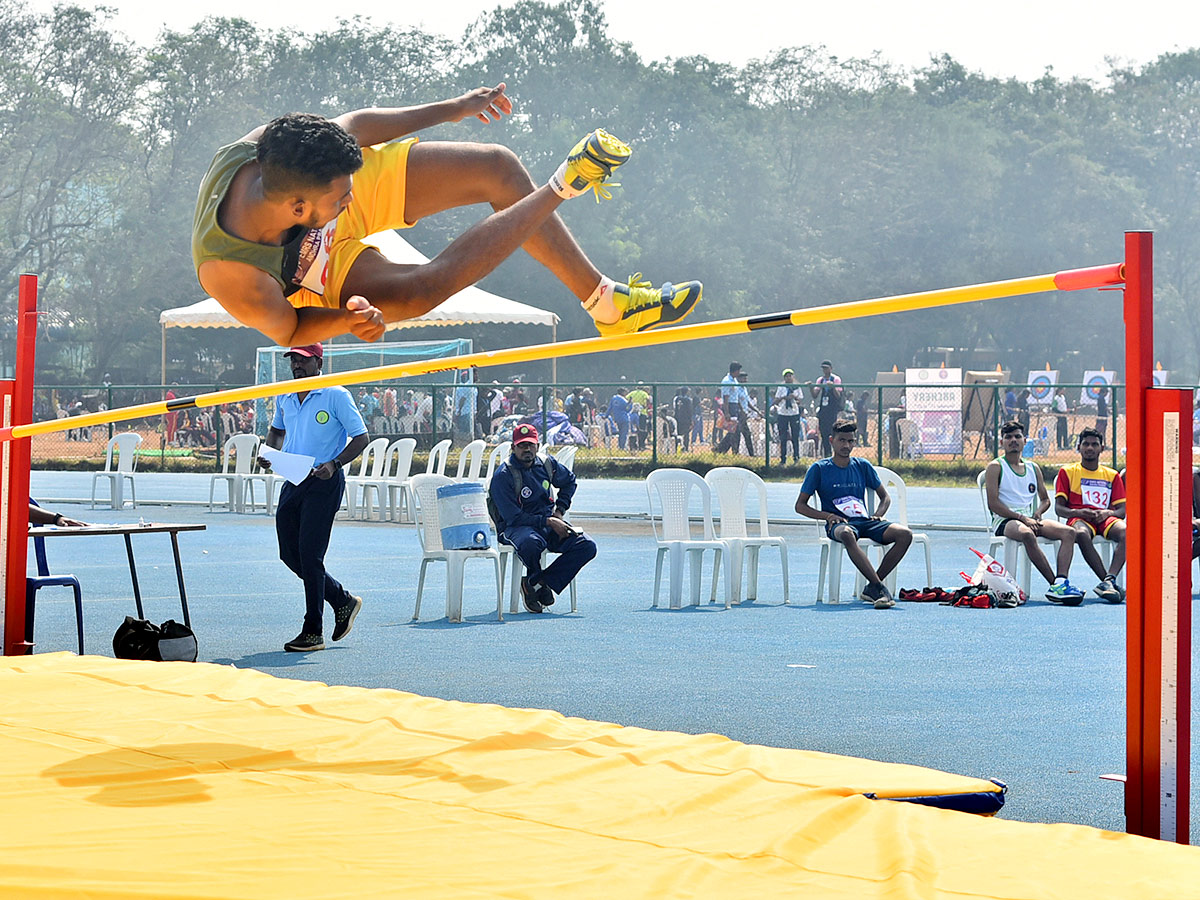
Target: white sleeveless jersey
1018,492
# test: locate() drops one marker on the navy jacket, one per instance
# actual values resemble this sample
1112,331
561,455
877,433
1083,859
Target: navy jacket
536,503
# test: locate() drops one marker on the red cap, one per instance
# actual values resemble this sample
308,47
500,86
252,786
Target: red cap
523,434
313,350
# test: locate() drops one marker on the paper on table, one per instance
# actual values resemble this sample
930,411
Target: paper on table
295,467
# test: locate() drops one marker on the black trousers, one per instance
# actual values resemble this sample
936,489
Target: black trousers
789,431
826,420
575,551
729,443
303,521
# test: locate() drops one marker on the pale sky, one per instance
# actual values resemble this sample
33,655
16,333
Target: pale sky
1016,38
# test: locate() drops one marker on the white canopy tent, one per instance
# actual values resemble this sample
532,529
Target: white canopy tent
470,306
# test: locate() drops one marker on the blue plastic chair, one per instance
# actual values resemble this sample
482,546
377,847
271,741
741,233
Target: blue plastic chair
45,579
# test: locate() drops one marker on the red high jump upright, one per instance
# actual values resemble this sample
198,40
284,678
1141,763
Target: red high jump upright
17,399
1158,575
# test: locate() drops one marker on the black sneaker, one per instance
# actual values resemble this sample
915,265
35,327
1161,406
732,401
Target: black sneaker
871,592
1109,591
884,600
545,596
344,617
529,594
304,643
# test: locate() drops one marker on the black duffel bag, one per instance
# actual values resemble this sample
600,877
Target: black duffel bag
142,639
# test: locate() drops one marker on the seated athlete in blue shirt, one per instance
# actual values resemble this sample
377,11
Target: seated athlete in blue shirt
841,483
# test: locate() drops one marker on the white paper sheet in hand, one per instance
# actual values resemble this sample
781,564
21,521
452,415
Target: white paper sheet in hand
295,467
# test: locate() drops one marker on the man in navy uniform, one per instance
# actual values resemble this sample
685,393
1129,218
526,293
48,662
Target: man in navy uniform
531,519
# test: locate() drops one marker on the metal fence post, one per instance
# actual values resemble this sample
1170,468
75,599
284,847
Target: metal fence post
433,416
995,420
217,423
879,424
1113,429
766,429
654,425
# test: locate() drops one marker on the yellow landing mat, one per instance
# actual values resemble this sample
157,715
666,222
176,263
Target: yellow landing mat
176,780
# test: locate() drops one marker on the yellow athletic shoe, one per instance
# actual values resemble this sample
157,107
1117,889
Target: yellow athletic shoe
643,307
589,165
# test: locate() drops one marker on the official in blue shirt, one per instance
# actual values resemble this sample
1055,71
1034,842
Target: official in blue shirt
842,482
737,406
618,412
533,521
317,424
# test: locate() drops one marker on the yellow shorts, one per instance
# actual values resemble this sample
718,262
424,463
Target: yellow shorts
378,203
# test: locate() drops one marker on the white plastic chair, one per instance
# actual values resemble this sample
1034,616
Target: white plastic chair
498,455
673,530
732,484
397,468
429,530
1015,559
566,456
831,555
270,481
437,458
124,446
898,513
470,461
244,448
508,551
370,476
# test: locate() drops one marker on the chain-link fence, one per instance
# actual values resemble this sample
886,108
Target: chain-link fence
661,423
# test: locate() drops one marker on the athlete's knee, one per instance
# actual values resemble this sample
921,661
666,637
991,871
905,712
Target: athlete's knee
507,172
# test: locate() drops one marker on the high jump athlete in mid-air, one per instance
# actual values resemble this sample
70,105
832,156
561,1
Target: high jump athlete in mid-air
282,213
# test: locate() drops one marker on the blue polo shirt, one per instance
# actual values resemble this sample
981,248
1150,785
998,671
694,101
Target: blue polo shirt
319,427
838,487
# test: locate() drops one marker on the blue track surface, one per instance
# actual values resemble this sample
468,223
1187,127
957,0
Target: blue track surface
1033,696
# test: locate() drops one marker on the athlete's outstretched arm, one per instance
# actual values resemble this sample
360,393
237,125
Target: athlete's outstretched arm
379,124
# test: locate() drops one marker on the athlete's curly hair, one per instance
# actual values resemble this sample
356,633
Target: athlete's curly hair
299,152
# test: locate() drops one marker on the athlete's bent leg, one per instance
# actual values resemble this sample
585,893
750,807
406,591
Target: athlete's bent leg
900,539
404,291
445,175
1018,531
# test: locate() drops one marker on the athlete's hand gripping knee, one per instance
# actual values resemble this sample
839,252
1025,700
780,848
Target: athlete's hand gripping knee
366,321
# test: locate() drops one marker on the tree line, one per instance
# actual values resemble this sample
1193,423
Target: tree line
796,180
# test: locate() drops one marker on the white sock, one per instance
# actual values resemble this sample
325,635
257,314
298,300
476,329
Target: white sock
558,183
600,304
1060,579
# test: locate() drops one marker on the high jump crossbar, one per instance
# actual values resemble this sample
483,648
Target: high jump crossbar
1070,280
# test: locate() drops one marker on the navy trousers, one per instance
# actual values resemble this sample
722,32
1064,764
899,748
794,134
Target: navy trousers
303,521
574,552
